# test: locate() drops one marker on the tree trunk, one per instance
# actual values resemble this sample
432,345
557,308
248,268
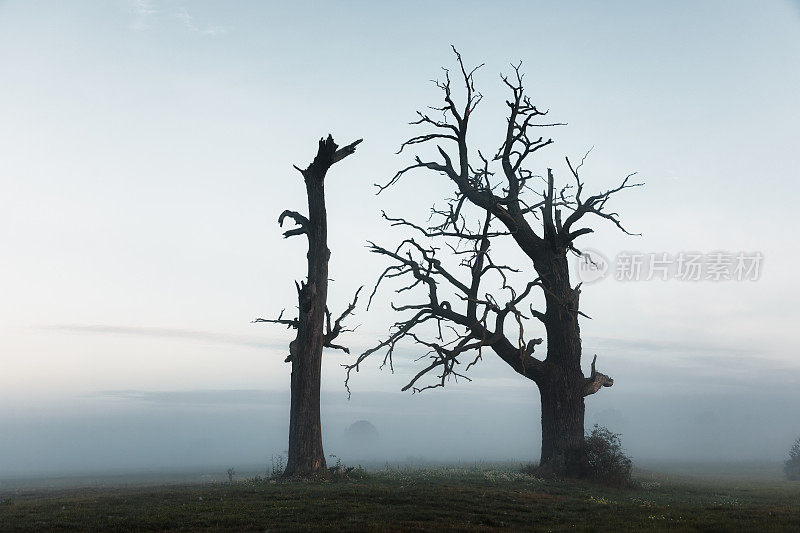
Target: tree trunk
562,426
306,455
563,385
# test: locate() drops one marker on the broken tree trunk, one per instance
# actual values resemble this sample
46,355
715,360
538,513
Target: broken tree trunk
306,456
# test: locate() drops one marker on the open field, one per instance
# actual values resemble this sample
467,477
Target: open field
481,497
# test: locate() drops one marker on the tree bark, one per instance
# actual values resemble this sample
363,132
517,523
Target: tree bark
306,455
562,425
562,385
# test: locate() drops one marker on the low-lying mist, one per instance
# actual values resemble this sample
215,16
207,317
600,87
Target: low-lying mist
119,431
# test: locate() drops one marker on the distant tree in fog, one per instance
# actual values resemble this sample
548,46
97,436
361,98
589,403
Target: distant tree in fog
361,432
792,465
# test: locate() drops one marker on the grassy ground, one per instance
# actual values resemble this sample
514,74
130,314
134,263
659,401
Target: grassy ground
442,498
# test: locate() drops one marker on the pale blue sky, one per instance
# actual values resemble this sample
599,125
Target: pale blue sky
146,151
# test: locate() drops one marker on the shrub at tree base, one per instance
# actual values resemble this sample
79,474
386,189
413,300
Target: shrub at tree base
792,465
606,461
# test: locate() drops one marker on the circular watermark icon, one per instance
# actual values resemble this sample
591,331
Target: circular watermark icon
591,266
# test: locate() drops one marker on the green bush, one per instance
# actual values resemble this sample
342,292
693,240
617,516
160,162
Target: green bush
792,465
606,461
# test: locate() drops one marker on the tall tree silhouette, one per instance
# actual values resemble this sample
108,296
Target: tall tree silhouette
315,328
485,311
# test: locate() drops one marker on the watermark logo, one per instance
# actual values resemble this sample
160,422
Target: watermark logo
592,266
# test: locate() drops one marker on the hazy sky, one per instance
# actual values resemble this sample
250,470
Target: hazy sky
146,150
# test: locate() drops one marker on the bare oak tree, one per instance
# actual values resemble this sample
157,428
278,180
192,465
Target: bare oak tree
487,312
314,325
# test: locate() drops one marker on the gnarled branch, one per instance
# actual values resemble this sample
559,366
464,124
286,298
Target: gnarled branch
540,216
333,331
596,380
300,220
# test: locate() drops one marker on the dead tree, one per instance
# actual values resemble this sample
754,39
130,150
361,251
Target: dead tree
484,310
315,329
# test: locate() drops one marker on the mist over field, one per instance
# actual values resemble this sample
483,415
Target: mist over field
199,430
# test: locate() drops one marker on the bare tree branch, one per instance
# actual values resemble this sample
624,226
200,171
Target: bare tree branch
334,331
300,220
